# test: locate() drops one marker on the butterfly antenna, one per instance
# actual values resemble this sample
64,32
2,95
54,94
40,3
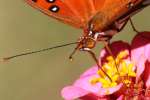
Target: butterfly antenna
74,51
32,52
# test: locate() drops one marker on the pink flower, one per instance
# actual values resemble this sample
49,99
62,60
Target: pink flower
128,70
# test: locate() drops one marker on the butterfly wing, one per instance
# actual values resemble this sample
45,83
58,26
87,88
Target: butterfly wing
57,10
85,9
74,12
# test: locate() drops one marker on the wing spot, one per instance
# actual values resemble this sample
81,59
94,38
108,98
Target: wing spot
54,8
50,1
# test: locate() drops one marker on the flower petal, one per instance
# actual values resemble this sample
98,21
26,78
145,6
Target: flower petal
72,92
82,86
146,75
140,51
84,83
96,89
90,71
93,97
108,91
121,97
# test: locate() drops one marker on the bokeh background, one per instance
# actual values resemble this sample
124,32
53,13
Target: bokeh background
42,76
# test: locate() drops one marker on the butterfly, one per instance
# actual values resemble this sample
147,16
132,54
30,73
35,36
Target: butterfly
99,19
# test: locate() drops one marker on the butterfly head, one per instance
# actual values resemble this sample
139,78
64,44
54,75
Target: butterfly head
87,41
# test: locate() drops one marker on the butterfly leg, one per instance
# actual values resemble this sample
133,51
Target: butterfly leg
97,62
120,25
132,25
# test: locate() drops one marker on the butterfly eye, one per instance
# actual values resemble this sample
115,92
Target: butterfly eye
50,1
54,8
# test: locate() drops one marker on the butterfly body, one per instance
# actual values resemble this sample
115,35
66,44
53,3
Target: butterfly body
97,18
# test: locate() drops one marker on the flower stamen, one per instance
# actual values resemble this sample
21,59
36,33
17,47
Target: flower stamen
123,74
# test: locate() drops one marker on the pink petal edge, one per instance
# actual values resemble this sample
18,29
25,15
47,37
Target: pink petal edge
72,92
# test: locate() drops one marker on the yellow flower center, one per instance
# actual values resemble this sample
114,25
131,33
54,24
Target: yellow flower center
119,69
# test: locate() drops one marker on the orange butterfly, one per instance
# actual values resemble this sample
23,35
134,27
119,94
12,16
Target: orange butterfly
100,19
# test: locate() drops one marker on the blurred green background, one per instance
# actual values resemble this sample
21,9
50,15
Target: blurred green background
42,76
